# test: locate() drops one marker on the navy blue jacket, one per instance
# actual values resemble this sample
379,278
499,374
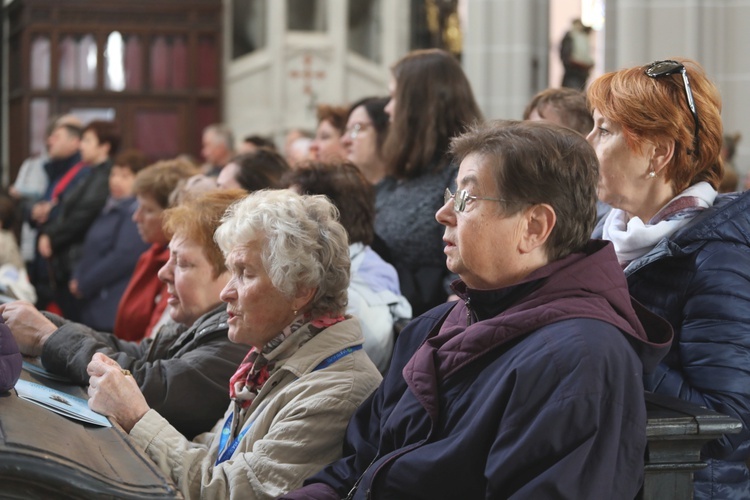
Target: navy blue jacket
108,256
533,391
699,280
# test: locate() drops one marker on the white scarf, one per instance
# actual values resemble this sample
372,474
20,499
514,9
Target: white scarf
633,238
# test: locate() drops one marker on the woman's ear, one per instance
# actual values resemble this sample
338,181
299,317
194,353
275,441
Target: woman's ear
303,298
662,154
539,221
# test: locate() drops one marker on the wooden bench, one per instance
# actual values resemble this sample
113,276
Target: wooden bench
676,431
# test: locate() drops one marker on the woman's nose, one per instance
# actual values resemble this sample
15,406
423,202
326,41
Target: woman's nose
227,293
445,214
165,273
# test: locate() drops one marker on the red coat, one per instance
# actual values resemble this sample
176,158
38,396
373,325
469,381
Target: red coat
145,298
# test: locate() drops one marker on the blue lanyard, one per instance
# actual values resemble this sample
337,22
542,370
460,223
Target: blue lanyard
225,432
224,454
335,357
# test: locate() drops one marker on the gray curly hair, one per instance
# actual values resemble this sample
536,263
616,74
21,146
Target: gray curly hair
304,245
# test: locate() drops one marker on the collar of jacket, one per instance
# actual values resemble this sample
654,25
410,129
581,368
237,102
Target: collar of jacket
728,220
214,320
333,339
57,167
589,284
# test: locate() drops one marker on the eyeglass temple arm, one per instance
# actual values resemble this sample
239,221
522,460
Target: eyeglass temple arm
689,97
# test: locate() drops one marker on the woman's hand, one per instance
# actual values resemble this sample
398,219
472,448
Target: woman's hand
40,211
44,246
30,328
113,392
73,287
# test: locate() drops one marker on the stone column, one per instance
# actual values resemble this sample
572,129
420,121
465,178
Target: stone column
505,53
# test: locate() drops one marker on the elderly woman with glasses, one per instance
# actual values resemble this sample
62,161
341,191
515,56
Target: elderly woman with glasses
685,250
530,385
305,372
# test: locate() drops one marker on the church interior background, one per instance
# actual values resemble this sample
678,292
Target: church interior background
166,68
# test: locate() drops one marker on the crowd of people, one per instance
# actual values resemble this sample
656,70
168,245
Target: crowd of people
412,302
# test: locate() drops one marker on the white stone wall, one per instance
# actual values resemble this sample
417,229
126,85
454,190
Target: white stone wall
276,89
502,43
508,47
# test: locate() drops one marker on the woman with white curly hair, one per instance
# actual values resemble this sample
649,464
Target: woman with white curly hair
303,377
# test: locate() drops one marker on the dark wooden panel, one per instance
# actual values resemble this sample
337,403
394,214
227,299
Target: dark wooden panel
175,82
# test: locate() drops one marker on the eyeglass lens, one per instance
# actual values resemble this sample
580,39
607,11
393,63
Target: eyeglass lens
355,129
459,199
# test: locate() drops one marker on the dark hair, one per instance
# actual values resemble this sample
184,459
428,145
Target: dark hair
540,162
260,142
434,103
375,108
347,188
132,159
335,115
570,104
261,169
107,132
9,211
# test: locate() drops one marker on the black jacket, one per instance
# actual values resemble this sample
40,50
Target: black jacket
75,213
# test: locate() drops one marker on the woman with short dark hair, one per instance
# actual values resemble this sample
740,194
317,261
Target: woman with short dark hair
530,385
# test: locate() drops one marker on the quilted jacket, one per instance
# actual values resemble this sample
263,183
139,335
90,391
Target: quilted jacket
699,280
530,391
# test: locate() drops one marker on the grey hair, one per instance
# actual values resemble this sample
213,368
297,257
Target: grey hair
222,133
304,245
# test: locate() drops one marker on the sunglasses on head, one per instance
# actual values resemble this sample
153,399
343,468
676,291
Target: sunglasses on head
665,68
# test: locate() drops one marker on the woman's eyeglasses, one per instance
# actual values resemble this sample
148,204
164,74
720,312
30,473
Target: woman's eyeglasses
665,68
355,129
461,197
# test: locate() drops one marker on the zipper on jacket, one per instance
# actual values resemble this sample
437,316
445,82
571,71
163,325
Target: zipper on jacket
390,458
468,311
352,491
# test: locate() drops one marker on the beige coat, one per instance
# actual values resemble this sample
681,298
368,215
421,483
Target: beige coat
297,425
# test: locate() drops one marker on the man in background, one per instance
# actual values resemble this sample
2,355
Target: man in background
218,148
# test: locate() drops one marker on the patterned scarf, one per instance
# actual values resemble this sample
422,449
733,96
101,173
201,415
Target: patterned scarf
633,239
260,364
